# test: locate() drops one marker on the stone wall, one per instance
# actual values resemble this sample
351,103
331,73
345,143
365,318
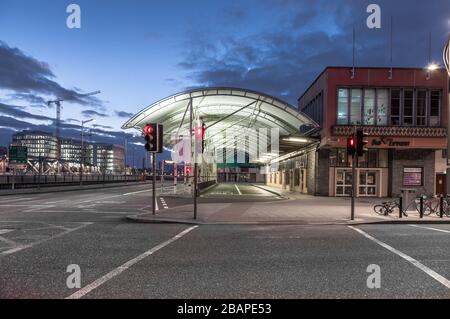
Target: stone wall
413,158
311,173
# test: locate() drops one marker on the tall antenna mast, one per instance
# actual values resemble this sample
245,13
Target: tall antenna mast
391,48
354,52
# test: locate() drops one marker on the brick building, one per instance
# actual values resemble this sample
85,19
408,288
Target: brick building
404,113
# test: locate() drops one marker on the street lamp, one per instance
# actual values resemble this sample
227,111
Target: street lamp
433,66
82,149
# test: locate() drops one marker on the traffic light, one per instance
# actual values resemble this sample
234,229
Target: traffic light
200,137
188,171
351,145
153,134
361,142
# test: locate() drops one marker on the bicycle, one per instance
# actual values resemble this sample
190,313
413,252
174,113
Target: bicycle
387,208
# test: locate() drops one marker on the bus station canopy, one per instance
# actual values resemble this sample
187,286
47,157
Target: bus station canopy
222,109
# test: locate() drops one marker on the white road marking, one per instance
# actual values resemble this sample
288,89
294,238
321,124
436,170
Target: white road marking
239,191
22,247
431,228
55,202
5,231
163,201
430,272
16,200
8,242
115,272
138,192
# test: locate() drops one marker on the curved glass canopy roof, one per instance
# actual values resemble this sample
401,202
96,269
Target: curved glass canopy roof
221,109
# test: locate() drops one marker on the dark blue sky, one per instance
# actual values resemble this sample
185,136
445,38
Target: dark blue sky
137,51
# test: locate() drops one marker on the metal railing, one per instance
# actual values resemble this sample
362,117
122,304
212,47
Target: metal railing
28,181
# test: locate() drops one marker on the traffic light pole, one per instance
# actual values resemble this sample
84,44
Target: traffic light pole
354,181
154,183
195,189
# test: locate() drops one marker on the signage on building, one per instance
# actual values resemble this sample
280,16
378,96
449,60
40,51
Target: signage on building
18,154
389,142
413,176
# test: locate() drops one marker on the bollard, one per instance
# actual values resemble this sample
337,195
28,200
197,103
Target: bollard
441,206
400,207
421,207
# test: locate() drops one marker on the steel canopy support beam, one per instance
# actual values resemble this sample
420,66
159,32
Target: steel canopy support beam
230,115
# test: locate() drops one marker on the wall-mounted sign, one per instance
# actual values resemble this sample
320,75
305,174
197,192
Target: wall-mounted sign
389,142
413,176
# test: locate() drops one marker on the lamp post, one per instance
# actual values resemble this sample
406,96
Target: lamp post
82,149
446,58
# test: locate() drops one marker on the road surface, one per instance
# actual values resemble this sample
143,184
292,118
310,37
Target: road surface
42,234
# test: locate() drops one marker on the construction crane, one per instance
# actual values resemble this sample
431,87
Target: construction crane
58,118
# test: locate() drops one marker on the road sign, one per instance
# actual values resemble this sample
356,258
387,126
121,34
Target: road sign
18,154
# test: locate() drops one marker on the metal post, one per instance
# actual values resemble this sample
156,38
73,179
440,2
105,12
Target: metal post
400,207
82,153
154,183
441,206
40,172
195,190
125,161
354,157
193,154
421,207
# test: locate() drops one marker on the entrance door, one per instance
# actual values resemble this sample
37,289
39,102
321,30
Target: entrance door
367,183
343,182
441,184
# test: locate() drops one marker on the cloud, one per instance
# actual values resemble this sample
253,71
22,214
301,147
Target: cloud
307,36
93,113
17,112
28,77
35,100
102,126
124,114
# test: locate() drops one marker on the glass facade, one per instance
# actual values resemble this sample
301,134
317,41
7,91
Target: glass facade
389,106
108,157
39,144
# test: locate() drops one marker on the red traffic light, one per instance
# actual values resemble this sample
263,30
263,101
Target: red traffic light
148,129
351,145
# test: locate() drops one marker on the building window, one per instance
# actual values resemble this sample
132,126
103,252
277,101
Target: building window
395,107
356,104
383,158
343,107
382,107
435,107
369,107
408,107
421,108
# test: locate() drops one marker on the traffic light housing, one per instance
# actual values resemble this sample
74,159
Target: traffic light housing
361,142
153,134
351,145
200,136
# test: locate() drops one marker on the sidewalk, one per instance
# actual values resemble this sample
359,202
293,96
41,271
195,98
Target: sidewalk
302,209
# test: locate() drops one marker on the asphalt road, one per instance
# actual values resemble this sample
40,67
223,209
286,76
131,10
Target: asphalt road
42,234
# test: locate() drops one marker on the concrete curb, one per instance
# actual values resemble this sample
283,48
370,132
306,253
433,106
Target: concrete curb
270,191
61,190
158,220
